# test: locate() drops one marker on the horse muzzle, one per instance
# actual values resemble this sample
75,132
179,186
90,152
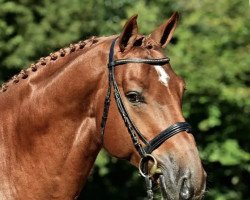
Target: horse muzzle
175,184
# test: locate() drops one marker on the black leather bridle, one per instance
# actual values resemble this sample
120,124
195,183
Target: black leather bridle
149,146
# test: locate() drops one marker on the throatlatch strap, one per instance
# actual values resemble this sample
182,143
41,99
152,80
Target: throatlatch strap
107,98
105,110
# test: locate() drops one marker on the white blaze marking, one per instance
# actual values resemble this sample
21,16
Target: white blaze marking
163,76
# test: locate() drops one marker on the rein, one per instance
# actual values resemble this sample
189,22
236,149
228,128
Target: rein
149,146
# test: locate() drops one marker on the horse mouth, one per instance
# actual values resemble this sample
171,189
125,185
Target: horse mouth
159,186
163,188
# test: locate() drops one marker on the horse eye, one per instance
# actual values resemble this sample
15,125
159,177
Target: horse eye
134,97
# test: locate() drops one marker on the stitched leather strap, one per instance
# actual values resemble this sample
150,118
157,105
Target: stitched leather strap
166,134
157,61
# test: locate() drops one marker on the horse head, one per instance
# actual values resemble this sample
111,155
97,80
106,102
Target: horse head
148,108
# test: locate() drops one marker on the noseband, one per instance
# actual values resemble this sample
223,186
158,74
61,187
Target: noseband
149,146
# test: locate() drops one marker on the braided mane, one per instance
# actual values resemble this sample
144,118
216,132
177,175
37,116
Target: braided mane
23,74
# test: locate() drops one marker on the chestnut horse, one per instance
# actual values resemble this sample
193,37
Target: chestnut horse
52,114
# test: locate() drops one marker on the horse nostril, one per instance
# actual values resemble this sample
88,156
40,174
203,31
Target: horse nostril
186,191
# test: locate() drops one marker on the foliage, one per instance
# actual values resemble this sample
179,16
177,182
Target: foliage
210,50
215,65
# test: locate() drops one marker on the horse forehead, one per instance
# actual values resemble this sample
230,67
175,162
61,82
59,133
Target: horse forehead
164,77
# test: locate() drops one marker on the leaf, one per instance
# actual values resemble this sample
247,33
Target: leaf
228,153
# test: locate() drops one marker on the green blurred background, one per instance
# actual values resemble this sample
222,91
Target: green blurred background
210,49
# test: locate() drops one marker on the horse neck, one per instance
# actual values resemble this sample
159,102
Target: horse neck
52,134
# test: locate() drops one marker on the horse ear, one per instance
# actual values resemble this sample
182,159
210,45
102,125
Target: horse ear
164,33
129,34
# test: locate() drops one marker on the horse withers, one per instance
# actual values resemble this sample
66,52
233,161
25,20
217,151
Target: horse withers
116,92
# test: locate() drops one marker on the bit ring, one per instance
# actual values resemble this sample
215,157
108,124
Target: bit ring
145,160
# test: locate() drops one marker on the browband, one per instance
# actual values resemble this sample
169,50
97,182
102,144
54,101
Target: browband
151,61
